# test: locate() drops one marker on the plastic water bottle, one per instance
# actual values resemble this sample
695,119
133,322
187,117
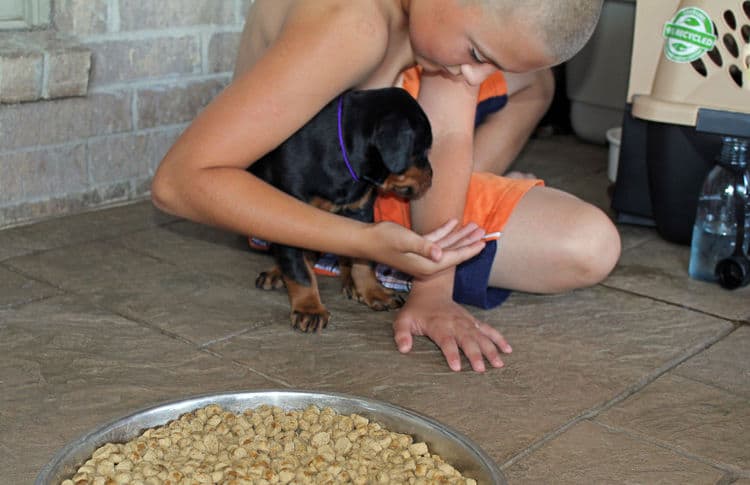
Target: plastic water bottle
715,230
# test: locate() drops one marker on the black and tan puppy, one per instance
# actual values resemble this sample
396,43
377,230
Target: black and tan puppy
360,143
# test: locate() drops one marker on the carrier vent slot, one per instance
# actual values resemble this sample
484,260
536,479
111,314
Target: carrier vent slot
731,45
699,67
736,74
730,20
715,56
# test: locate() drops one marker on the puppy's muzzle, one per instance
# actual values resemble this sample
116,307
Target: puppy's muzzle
411,184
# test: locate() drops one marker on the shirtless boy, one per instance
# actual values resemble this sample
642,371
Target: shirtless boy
297,55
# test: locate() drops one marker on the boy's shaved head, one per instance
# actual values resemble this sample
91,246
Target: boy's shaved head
564,26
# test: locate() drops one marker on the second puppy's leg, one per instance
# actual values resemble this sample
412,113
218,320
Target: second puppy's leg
359,283
358,276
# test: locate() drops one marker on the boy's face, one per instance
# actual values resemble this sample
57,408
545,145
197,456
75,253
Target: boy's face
465,41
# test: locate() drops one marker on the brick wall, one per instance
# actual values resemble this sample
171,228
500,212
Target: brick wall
153,65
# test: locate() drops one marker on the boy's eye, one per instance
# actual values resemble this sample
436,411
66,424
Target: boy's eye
476,56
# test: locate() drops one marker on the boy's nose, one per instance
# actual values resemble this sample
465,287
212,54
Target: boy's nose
476,74
453,70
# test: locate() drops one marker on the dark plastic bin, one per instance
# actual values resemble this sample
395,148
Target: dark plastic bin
660,174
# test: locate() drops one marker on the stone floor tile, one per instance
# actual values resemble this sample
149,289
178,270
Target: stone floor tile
699,419
659,269
725,365
565,361
521,402
15,288
139,286
590,453
625,327
633,236
200,307
68,367
93,267
79,228
198,248
550,159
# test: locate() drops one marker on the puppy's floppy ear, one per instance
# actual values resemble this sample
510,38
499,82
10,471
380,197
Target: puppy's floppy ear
393,141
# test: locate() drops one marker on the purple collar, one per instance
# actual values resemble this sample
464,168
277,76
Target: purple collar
341,141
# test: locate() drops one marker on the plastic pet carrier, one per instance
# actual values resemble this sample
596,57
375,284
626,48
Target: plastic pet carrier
689,85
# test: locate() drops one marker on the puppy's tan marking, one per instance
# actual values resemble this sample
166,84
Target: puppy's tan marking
329,206
359,283
270,280
411,184
308,312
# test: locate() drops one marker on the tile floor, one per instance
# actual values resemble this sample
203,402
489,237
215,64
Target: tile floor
644,378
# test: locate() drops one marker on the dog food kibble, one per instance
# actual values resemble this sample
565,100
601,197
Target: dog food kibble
263,446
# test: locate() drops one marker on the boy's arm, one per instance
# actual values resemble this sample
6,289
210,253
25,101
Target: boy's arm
320,53
430,309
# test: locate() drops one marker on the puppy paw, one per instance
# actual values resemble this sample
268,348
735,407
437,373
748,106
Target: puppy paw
310,320
270,280
378,298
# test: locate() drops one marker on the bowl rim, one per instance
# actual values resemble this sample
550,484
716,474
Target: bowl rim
194,402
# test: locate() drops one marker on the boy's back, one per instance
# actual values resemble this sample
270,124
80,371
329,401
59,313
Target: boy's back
267,19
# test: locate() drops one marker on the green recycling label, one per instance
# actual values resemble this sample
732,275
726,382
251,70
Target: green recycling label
689,35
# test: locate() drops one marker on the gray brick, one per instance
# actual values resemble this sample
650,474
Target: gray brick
80,17
160,14
127,60
161,142
222,51
45,173
11,179
68,73
175,104
20,76
66,204
121,157
60,121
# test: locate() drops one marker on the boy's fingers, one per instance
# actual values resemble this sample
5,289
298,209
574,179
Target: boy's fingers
402,336
441,231
473,352
452,257
489,350
496,337
452,356
468,234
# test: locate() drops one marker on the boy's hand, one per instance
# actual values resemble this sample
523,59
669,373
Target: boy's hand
428,255
451,327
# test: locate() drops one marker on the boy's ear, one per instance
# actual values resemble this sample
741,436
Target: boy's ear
393,140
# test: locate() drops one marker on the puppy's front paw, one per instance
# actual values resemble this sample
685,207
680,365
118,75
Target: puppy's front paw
310,319
270,280
379,298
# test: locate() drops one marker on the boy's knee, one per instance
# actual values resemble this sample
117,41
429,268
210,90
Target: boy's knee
545,81
593,247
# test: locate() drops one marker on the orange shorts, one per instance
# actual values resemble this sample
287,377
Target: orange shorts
489,202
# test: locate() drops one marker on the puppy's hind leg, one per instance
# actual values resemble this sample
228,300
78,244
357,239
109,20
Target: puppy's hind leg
270,280
308,312
360,283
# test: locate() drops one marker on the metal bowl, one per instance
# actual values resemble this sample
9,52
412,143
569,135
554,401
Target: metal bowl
455,448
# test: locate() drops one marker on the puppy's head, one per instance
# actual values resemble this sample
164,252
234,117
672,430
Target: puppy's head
399,139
